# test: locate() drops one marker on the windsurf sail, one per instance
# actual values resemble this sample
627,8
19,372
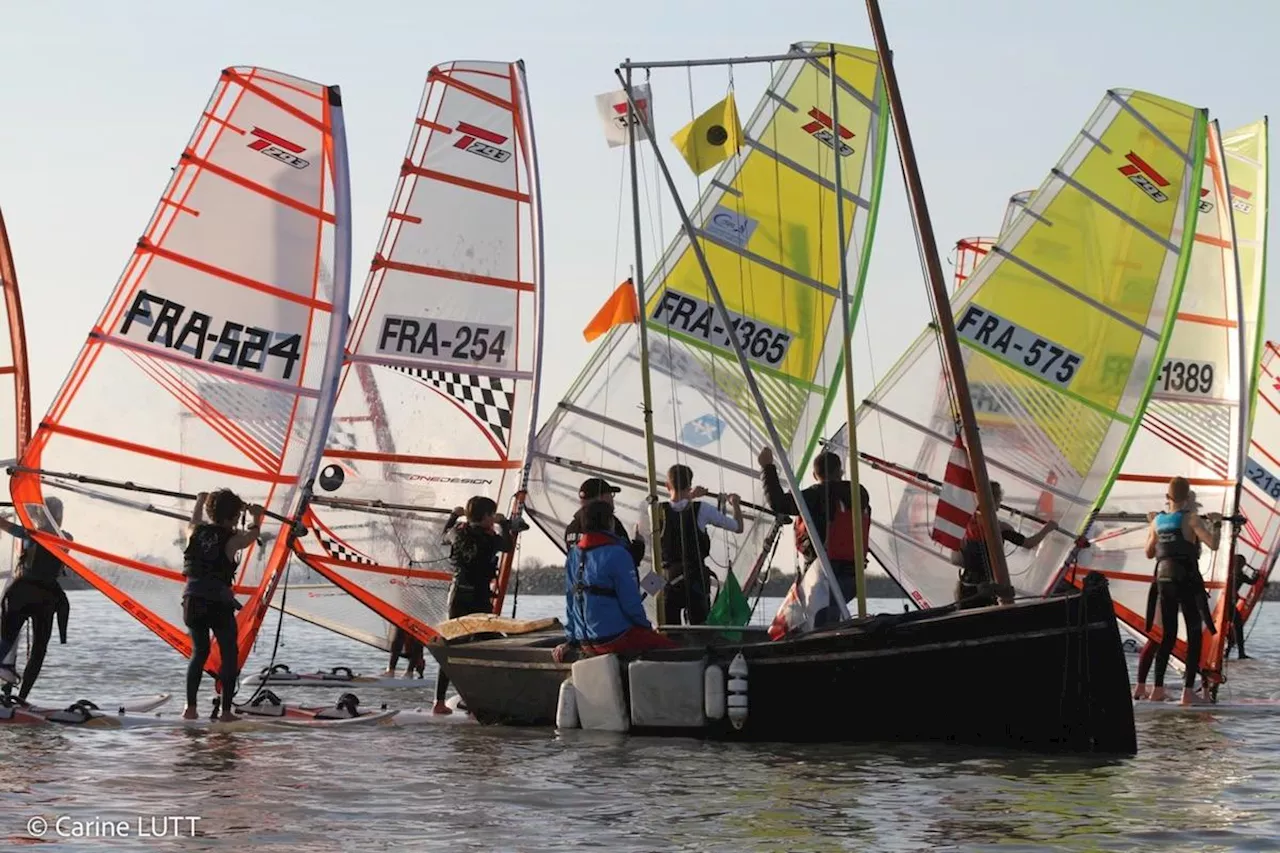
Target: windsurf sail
215,362
1259,541
767,224
1196,425
439,393
15,389
1065,323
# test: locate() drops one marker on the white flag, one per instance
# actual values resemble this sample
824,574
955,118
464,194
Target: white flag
615,113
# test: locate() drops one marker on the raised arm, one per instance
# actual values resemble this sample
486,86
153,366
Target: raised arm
241,538
779,501
1036,538
197,513
1210,537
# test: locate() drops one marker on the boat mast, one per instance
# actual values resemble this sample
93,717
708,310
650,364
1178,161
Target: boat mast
942,308
846,340
779,450
637,281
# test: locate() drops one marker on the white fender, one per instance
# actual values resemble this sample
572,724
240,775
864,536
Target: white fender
738,691
713,692
567,707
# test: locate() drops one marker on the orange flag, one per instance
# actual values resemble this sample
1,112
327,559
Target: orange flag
620,309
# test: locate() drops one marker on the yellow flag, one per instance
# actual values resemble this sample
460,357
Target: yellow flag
711,138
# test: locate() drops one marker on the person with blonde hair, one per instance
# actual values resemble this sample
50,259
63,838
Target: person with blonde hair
1173,541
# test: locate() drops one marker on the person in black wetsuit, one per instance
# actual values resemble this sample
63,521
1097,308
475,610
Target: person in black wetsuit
209,604
974,585
474,555
596,489
34,594
830,503
405,645
1172,541
1242,580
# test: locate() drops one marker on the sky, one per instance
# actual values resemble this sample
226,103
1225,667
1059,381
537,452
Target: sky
98,99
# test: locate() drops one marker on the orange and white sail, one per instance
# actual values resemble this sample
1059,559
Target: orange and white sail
15,389
215,362
439,396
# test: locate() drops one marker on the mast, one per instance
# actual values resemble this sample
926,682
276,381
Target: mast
775,439
942,305
846,343
535,192
637,281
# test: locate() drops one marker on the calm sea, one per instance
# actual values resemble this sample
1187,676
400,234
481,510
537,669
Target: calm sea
1201,782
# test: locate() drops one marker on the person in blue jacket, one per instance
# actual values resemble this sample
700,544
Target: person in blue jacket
603,609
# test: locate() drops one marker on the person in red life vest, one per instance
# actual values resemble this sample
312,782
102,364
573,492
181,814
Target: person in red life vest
603,609
830,504
685,545
974,586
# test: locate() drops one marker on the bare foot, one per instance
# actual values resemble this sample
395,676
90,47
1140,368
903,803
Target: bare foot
1189,697
227,716
190,713
441,709
1142,691
1158,694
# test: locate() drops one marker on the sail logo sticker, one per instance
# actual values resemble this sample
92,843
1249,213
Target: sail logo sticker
1179,376
481,142
731,227
1018,347
699,319
170,325
1144,176
1205,204
1240,200
821,129
279,148
418,336
702,431
623,118
1258,474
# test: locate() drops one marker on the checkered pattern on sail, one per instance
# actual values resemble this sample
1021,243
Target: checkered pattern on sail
339,550
486,397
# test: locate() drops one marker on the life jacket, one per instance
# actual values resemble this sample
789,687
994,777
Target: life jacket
839,541
973,552
1175,555
474,556
206,557
39,565
684,545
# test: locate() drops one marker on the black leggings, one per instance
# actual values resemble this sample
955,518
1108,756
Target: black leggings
461,603
403,645
694,599
202,618
1235,635
23,601
1175,596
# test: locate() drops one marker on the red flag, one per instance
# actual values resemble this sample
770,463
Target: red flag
956,500
620,309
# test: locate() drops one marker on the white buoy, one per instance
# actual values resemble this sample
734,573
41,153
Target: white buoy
738,691
567,706
713,692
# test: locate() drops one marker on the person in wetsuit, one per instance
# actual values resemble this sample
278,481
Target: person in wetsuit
685,545
1242,580
209,604
596,489
1171,541
974,585
830,505
474,552
34,595
407,646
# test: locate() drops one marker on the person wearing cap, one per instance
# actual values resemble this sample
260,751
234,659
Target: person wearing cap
596,489
34,594
1172,541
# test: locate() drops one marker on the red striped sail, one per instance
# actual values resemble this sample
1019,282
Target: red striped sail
956,500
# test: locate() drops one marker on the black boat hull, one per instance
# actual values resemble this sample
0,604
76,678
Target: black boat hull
1046,675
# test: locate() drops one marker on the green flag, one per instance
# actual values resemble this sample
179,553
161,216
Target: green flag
731,607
